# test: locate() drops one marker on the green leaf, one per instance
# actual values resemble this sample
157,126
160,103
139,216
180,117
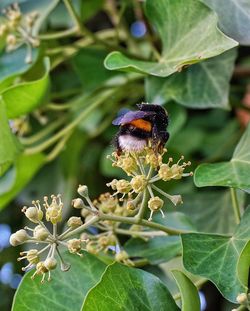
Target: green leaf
65,292
89,9
156,250
9,146
189,294
228,174
12,64
215,257
123,288
234,18
211,211
88,63
25,97
188,36
26,167
203,85
175,220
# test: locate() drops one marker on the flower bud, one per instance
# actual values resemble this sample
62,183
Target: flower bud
155,203
78,203
50,263
123,186
128,164
40,233
74,246
18,237
139,183
33,213
83,191
92,249
153,159
74,222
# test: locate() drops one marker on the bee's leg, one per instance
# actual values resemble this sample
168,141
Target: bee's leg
115,143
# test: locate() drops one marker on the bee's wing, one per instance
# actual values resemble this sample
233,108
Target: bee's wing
132,115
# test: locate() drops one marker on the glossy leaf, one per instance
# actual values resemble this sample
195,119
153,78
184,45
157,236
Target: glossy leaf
9,145
156,250
123,288
215,257
25,97
228,174
67,289
234,18
188,36
26,167
190,300
175,220
88,63
211,211
203,85
12,64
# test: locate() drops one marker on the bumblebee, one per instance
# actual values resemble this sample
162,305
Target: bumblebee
138,128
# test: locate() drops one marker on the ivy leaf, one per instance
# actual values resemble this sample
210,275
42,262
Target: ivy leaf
67,289
215,257
175,220
123,288
211,211
25,97
88,63
25,168
228,174
12,64
189,34
203,85
189,295
156,250
9,146
234,18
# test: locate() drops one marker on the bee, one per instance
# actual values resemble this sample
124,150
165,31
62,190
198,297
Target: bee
139,128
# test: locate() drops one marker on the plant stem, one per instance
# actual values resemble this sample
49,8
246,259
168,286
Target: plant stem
71,125
143,207
235,204
73,14
149,234
59,34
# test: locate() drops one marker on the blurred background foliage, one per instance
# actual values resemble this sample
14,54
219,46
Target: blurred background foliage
56,113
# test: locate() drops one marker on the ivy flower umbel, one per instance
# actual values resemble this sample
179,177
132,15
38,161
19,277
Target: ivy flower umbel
18,29
144,170
47,242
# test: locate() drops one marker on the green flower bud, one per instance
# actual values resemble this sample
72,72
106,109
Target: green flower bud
33,213
50,263
74,222
78,203
18,237
121,256
83,191
40,233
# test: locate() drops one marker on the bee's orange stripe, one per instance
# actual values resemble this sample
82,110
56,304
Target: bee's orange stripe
142,124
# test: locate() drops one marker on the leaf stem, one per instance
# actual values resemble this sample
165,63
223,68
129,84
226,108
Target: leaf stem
235,204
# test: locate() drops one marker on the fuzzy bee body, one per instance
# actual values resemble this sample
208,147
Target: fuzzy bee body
138,127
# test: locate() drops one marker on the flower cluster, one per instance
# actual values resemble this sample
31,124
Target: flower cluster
47,242
144,170
244,300
17,30
133,200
